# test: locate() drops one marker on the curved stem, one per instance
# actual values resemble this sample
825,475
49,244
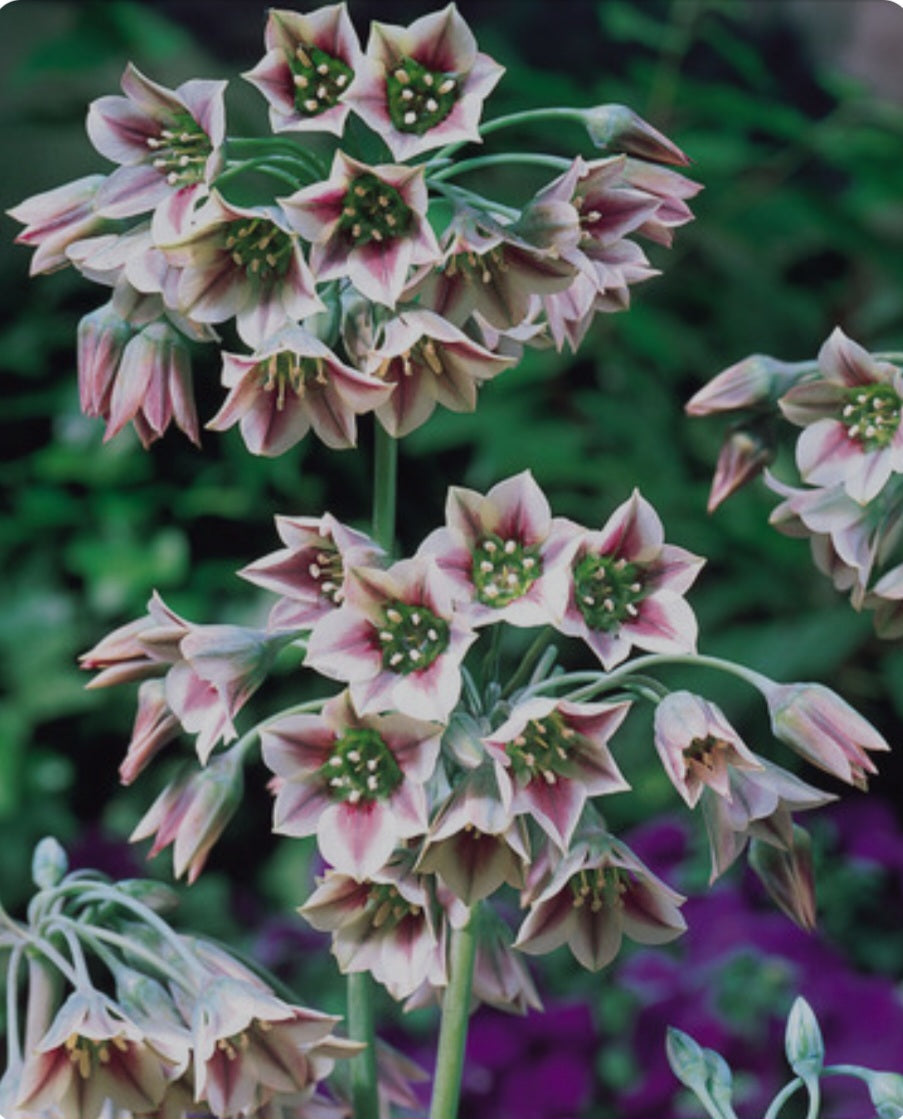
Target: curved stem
261,164
470,197
453,1027
782,1097
528,115
148,916
537,158
99,936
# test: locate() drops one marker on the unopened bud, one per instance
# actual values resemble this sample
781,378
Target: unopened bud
620,129
756,380
49,863
743,456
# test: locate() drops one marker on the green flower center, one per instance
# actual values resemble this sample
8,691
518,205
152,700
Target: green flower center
503,570
602,888
373,211
328,572
542,749
419,98
320,79
872,415
286,372
606,591
387,907
180,152
258,246
412,637
361,767
87,1052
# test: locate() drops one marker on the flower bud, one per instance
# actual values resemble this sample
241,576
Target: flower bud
755,380
743,455
787,876
619,128
49,863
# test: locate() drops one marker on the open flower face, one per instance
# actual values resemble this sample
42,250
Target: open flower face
698,746
505,554
310,571
292,384
558,756
168,143
311,61
396,640
242,261
851,417
423,86
366,223
428,361
357,782
598,894
627,587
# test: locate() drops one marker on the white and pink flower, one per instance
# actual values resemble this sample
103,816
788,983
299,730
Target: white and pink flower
56,219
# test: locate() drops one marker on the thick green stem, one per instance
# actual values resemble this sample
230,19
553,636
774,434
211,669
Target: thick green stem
453,1029
385,483
361,1028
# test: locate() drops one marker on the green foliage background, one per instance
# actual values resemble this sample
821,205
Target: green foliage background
800,228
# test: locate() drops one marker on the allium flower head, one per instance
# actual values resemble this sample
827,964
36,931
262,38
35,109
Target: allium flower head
396,640
597,895
357,782
851,416
627,587
698,746
504,552
310,572
366,223
311,61
57,218
423,86
291,384
168,143
557,755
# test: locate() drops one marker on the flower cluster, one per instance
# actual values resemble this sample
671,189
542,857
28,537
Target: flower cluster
849,455
430,784
356,282
177,1026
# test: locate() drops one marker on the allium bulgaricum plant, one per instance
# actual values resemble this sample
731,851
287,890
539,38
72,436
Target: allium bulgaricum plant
451,772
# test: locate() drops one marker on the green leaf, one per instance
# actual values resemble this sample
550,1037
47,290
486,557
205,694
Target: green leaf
803,1041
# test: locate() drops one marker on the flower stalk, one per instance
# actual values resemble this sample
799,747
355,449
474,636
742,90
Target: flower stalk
455,1014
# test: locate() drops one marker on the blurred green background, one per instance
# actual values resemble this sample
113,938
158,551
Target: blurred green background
792,111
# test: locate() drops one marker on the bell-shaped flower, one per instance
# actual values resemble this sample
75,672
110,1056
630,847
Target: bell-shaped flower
367,223
698,746
851,418
744,454
249,1044
627,587
242,261
155,726
168,143
424,85
93,1053
396,640
57,218
192,814
505,554
760,806
787,875
291,384
310,62
389,925
597,895
428,361
822,728
356,782
557,754
474,843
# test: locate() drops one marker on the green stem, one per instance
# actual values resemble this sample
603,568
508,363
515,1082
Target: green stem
782,1097
527,661
453,1028
385,486
527,115
537,158
364,1097
262,165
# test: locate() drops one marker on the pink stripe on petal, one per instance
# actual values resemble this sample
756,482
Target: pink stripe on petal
357,838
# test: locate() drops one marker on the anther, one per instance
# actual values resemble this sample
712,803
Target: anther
447,86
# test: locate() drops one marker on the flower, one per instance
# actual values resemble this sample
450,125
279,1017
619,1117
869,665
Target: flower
155,726
627,587
558,756
787,874
423,86
396,640
744,454
757,379
241,261
698,746
168,144
291,384
311,571
851,419
389,925
366,223
598,894
57,218
355,782
504,553
193,813
823,728
308,69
